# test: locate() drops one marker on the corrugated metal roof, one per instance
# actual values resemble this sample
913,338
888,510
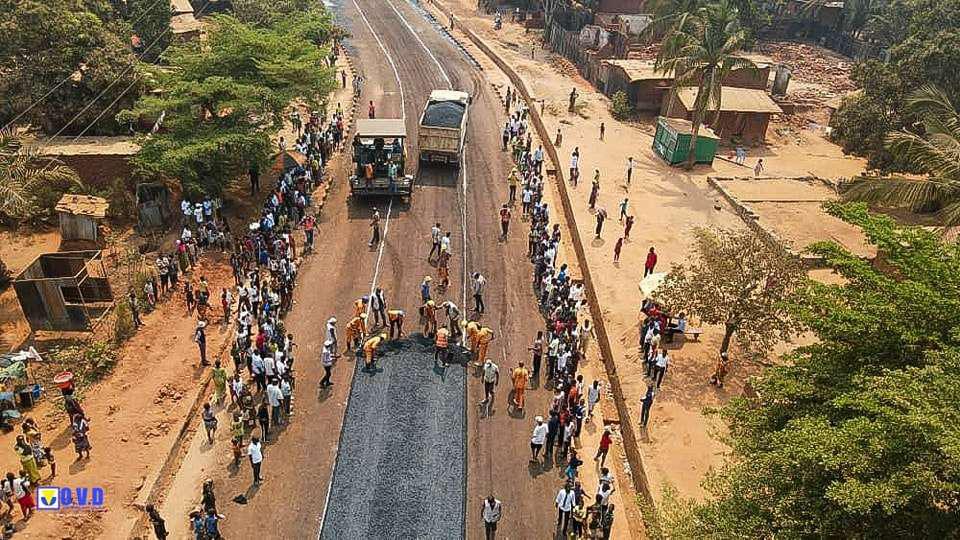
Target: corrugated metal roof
734,99
83,205
381,127
639,70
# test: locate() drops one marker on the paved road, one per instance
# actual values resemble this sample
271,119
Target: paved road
298,467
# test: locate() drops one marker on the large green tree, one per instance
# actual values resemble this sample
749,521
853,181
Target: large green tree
935,154
151,23
702,51
225,97
56,57
859,435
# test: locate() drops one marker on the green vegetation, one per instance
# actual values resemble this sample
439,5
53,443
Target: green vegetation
701,49
741,280
76,50
30,186
620,106
225,97
151,23
923,40
935,153
859,435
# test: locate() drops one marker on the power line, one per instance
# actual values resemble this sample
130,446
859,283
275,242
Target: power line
68,77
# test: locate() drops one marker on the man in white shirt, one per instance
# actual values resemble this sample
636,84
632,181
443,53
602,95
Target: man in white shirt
255,452
603,494
538,438
490,513
663,360
275,399
491,378
445,243
326,359
479,283
257,370
332,335
435,237
593,397
564,503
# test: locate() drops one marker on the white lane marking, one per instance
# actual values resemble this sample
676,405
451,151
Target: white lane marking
422,44
376,269
463,228
403,106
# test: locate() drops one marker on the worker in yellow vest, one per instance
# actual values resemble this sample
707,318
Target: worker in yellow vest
442,346
356,330
370,349
471,329
395,316
484,337
360,306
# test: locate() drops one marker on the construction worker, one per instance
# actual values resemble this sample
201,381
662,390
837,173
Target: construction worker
442,342
370,349
443,269
520,377
395,316
429,318
472,329
356,330
453,317
360,306
484,337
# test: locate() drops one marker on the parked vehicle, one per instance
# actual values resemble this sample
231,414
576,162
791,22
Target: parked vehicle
380,159
443,126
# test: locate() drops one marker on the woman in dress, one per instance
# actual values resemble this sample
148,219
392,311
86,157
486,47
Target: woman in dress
81,442
27,460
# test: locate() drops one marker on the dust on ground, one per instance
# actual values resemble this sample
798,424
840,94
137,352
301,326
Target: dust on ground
667,203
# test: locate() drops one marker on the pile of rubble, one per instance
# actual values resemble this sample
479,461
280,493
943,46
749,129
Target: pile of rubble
813,64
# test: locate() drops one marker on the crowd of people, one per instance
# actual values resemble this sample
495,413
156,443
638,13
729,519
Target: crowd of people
559,349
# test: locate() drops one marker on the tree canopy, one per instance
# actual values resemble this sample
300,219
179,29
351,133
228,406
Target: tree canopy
738,279
859,435
922,38
225,97
74,49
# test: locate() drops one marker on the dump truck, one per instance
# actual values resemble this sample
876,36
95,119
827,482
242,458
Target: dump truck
379,159
443,126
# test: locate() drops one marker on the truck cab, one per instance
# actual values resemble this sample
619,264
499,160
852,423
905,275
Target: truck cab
379,159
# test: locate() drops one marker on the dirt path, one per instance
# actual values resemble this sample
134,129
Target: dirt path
666,203
298,464
135,414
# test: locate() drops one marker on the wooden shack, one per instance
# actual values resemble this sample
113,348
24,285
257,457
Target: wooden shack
65,291
80,215
644,87
744,113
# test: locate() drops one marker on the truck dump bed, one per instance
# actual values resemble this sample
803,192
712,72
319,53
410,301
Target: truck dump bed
448,114
442,126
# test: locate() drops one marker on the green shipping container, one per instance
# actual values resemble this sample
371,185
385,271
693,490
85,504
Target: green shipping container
672,141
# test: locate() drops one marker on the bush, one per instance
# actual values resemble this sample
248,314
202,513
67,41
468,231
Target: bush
123,327
620,106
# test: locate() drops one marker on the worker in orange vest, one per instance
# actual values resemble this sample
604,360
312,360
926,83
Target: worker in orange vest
370,349
521,377
429,318
360,306
484,337
442,346
395,316
471,329
356,330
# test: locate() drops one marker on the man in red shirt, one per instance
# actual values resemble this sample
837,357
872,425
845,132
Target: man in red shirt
651,263
504,220
605,441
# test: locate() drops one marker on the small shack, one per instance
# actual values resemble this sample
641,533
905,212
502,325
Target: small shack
672,141
80,215
153,206
65,291
644,87
744,113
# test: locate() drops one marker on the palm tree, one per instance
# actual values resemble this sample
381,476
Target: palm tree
24,177
935,153
702,53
